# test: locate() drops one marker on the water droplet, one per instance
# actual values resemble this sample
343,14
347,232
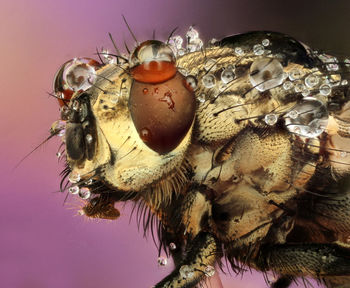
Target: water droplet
194,45
57,126
212,42
89,182
145,135
75,75
344,82
175,42
331,60
209,80
108,58
201,98
265,42
81,212
162,261
227,75
58,154
258,49
305,92
325,89
74,189
266,73
186,271
74,177
151,51
271,119
61,133
88,138
181,52
311,81
191,82
295,74
293,114
79,75
332,67
145,90
308,118
239,51
209,271
299,86
172,246
114,100
343,154
287,85
210,65
84,193
192,33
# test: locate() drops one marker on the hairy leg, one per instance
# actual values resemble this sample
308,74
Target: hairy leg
200,258
315,260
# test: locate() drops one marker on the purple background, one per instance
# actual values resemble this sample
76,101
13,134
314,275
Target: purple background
43,243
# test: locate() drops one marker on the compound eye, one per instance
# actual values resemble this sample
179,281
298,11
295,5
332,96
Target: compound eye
152,62
162,113
77,74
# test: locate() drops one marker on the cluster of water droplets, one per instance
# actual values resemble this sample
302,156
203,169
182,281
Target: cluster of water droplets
194,43
331,62
308,118
192,40
257,50
84,192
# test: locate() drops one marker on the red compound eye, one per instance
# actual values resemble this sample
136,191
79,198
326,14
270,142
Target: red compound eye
77,74
152,62
162,113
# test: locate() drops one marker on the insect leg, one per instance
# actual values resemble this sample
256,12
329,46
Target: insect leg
333,213
201,255
313,259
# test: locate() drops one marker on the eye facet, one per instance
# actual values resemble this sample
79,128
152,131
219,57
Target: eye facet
152,62
77,74
162,113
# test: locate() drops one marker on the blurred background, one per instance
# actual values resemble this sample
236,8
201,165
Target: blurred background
43,243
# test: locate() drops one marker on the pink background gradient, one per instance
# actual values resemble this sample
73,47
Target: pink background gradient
43,244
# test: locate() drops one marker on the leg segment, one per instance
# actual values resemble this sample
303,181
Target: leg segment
194,267
333,213
315,260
